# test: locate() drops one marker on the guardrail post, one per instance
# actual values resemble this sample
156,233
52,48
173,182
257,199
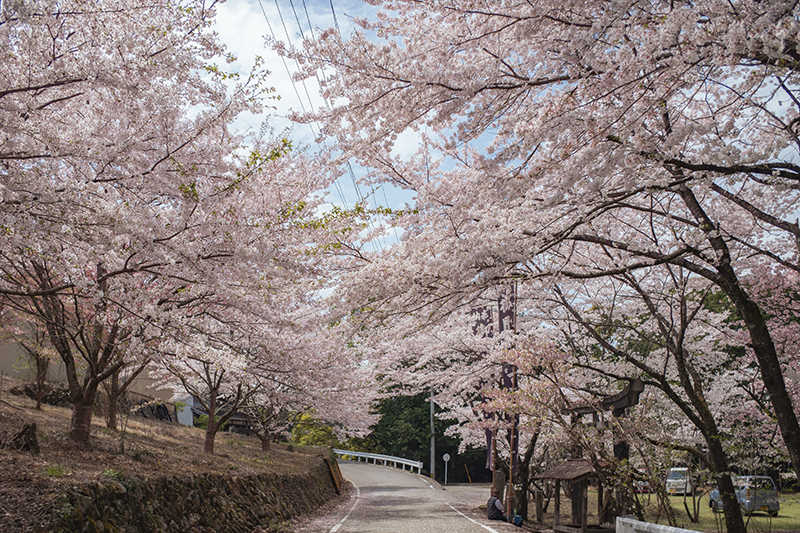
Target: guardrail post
385,459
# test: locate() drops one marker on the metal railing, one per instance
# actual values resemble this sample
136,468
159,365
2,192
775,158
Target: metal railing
385,459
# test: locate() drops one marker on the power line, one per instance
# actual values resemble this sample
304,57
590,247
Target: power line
297,64
297,19
297,93
335,20
351,172
385,199
353,179
352,175
283,59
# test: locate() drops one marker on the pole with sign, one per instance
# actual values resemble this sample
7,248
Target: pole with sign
446,458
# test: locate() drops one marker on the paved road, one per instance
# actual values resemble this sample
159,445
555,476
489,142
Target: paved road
387,500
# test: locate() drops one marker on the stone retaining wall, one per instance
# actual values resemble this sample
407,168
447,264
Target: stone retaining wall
204,503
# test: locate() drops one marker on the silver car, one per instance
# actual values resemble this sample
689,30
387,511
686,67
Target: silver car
679,481
755,493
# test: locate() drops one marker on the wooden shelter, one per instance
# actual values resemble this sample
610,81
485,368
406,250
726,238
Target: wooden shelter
577,472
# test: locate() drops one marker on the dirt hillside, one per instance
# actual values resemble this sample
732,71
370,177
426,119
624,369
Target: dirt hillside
29,482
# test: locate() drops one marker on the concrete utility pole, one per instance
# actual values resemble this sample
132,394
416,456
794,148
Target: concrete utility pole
433,442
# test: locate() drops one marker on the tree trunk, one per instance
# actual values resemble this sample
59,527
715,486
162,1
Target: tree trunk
211,434
524,476
213,425
266,439
760,336
112,391
771,371
111,416
98,354
730,505
81,423
42,363
718,462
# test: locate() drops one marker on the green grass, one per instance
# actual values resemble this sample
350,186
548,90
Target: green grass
788,518
113,474
54,471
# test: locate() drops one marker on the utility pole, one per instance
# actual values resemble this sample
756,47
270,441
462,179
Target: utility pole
510,496
509,380
433,441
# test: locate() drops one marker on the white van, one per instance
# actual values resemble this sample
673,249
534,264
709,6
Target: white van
678,482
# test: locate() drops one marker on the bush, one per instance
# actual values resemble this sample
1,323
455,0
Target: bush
202,422
54,394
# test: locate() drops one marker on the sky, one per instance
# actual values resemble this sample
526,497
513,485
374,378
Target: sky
244,25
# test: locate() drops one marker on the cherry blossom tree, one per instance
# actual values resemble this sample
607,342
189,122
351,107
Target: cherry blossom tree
85,334
32,338
269,414
274,360
131,214
116,386
324,377
589,140
658,327
215,375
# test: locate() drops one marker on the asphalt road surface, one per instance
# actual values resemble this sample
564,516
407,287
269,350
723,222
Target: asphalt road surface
387,500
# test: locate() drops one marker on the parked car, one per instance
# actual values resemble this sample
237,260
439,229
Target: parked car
641,483
755,493
678,482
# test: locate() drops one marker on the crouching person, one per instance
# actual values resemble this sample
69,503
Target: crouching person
495,510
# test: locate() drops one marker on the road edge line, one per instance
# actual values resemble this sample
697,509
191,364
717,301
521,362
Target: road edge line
358,495
487,528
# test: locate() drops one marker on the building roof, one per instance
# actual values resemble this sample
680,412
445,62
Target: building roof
570,470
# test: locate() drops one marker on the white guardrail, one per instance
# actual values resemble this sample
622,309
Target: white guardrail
631,525
386,459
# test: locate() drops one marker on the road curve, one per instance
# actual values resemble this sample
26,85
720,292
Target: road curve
387,500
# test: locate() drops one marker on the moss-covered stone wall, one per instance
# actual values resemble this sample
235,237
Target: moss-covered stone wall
206,503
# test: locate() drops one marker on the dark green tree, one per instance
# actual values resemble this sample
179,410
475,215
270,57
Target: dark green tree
404,430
